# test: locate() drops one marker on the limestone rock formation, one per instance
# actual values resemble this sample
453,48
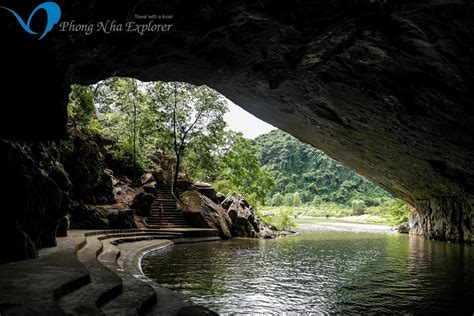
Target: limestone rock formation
232,217
44,182
31,204
203,212
447,218
244,222
142,203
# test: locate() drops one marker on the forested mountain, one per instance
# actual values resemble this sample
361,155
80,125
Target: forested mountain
304,174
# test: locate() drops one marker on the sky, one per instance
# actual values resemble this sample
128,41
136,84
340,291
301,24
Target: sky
242,121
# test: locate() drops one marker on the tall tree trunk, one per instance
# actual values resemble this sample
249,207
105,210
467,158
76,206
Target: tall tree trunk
176,172
134,132
175,140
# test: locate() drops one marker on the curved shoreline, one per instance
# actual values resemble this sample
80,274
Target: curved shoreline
98,271
168,301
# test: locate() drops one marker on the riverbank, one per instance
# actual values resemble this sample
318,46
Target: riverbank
95,272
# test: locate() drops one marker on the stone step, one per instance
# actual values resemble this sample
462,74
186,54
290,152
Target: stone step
34,286
168,220
169,225
164,205
158,209
166,216
105,285
166,224
137,297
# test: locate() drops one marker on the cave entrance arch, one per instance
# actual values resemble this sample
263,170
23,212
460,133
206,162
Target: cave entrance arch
396,107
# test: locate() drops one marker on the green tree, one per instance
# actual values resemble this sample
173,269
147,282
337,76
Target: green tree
317,201
288,199
297,199
81,108
127,116
242,172
299,167
190,112
285,220
277,199
358,207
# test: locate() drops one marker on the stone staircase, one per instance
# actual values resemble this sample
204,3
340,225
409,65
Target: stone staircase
91,273
171,217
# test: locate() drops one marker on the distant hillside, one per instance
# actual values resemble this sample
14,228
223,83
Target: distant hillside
306,175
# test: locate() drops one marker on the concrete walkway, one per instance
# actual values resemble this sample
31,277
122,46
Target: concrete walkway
95,273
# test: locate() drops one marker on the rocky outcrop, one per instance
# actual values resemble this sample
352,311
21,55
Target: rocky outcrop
142,203
84,163
233,217
45,181
100,217
31,204
203,212
243,220
403,228
449,219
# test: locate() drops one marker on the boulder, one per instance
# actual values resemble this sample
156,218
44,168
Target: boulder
220,197
121,219
87,217
205,189
142,203
228,201
147,178
150,188
403,228
183,185
244,223
97,217
203,212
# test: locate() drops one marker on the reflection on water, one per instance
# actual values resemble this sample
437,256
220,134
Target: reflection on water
327,268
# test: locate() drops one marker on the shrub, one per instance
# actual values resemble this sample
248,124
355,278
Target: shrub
358,207
285,220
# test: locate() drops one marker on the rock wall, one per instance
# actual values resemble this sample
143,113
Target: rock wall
43,182
449,219
31,204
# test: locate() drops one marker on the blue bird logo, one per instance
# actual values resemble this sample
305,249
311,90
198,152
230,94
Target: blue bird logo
53,13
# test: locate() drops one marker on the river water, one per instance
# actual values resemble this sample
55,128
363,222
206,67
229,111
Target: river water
327,268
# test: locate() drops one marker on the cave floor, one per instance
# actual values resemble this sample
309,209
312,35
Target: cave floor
105,265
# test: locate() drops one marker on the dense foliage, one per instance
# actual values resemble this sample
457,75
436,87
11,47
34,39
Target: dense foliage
144,119
141,120
305,175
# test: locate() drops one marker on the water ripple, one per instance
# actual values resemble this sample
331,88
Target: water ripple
327,269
